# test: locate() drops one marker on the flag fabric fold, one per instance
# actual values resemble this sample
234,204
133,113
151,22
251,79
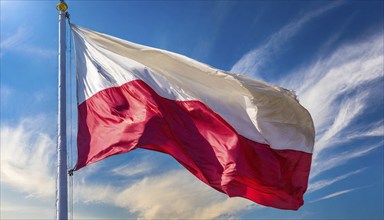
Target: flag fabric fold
240,136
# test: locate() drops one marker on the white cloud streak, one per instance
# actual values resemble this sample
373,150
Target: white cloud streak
27,158
18,42
134,168
347,111
91,192
339,193
321,165
252,63
5,94
15,39
374,130
337,91
177,194
168,195
327,182
22,211
350,67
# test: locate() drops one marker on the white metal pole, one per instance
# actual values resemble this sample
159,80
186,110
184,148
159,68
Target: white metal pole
62,188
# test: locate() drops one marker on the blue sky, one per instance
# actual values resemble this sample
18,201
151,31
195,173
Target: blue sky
329,52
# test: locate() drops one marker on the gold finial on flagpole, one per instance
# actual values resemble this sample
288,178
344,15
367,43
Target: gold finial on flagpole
62,6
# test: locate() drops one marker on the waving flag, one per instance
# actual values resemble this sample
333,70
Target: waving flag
240,136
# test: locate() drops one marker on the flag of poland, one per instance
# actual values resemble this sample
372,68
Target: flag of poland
240,136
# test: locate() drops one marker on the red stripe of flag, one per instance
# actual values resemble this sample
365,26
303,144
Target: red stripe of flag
120,119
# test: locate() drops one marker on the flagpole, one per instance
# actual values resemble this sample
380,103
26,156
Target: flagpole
62,188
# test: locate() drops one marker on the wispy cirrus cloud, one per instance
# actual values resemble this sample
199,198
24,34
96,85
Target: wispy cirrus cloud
37,51
176,194
330,128
84,192
134,168
23,211
27,169
15,39
373,130
345,72
338,90
339,193
170,194
252,63
321,165
327,182
5,94
18,42
27,155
